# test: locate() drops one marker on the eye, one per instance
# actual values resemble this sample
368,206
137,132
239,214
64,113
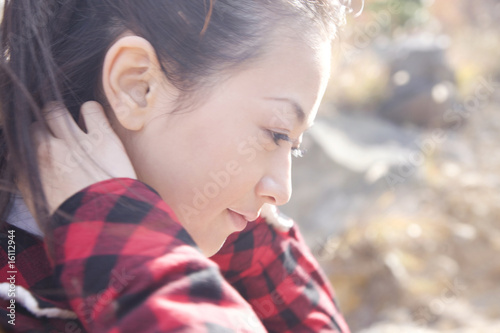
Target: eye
277,137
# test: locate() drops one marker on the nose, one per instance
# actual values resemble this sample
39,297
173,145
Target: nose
276,184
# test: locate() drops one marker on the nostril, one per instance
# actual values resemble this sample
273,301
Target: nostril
274,191
272,200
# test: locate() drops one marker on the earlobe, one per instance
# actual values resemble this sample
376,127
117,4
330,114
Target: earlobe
129,72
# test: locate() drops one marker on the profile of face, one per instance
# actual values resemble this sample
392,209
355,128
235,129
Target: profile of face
217,163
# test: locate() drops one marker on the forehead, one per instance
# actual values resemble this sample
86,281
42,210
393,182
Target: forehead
292,73
307,61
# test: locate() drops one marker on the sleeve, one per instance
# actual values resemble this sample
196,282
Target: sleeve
274,270
126,265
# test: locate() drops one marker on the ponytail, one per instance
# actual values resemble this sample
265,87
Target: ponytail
30,77
28,80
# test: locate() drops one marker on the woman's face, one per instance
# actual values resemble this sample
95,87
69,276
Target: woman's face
218,163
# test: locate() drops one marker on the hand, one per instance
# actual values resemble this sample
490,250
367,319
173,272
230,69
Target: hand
70,159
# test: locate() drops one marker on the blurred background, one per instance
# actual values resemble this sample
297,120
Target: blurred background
399,193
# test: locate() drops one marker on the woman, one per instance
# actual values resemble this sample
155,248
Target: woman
203,105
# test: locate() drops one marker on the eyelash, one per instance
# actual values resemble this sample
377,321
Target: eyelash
277,137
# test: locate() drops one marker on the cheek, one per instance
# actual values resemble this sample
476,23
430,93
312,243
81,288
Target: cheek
203,171
218,175
199,177
227,183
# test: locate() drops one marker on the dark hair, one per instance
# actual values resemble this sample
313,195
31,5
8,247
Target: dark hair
53,50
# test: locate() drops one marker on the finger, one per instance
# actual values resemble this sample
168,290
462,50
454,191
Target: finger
60,122
94,117
41,139
39,133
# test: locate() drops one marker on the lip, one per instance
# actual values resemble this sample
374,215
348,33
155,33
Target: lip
239,221
250,217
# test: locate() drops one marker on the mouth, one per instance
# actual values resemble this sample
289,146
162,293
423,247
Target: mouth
249,216
239,221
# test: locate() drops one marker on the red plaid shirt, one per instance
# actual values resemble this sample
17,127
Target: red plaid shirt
118,261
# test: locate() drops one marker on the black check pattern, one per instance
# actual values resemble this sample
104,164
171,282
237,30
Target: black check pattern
117,258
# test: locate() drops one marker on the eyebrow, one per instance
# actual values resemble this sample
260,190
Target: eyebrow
299,112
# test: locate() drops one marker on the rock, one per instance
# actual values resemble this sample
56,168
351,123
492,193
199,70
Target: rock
422,88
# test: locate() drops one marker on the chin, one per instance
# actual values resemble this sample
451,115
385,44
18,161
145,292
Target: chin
211,241
210,249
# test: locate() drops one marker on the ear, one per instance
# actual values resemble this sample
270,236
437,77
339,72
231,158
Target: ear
131,75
